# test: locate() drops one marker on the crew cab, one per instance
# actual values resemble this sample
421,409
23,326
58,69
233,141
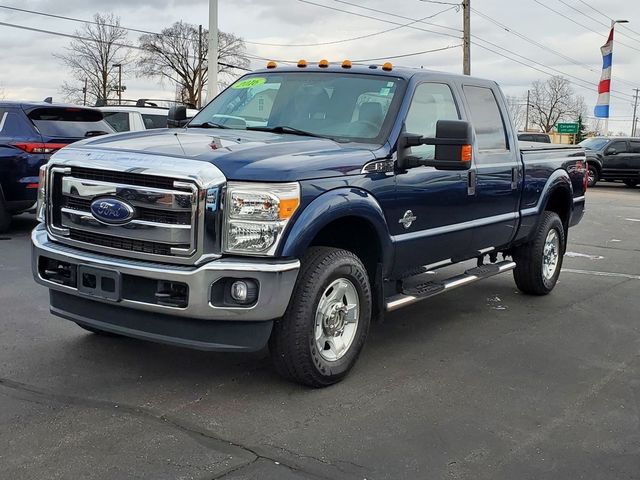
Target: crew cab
29,133
613,158
299,205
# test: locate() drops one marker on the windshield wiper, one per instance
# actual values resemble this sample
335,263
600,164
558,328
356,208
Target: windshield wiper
286,129
207,125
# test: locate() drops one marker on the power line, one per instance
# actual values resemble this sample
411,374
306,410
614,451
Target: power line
360,37
581,24
87,39
606,16
542,46
408,54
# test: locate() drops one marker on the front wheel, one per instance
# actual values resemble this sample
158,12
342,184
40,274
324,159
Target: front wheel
322,333
538,262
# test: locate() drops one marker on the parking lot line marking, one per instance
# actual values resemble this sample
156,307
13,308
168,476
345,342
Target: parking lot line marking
601,274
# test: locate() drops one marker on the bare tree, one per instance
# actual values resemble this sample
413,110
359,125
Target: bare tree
179,54
517,110
553,101
91,56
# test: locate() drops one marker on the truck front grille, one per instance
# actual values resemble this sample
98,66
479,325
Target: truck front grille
165,221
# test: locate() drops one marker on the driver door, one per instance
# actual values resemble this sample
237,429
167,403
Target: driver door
615,164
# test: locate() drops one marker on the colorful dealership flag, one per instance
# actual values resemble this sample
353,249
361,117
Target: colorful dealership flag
602,106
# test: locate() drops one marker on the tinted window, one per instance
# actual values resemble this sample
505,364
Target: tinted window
619,147
345,107
14,124
486,118
154,121
431,102
635,146
118,120
69,122
593,143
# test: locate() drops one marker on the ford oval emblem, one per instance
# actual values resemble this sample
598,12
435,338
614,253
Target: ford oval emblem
112,211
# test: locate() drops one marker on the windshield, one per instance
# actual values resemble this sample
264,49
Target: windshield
344,107
593,143
67,122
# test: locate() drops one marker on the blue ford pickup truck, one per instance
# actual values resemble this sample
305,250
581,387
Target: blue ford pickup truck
297,206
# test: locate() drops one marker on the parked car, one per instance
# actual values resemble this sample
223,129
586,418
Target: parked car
534,137
29,133
135,118
613,158
299,205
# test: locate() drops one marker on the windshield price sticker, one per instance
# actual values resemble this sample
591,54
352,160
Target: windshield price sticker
249,82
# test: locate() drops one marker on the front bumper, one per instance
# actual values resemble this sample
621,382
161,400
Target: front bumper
276,280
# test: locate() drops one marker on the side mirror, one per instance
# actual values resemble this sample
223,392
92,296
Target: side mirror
611,151
177,116
453,142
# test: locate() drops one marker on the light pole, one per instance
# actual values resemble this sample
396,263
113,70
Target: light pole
212,75
606,120
119,66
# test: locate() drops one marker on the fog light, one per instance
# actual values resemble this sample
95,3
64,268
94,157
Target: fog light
239,291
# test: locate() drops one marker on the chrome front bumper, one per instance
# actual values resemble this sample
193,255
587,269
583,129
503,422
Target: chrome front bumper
276,281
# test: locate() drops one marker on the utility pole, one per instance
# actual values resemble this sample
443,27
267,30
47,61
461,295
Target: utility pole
466,38
213,50
635,109
526,117
84,93
119,66
200,72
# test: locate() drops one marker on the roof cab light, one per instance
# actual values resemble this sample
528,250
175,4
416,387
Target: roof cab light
346,64
302,64
271,65
387,67
40,147
323,63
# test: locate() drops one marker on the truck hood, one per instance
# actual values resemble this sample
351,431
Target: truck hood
244,155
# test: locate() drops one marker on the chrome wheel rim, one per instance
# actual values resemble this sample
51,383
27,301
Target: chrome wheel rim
551,254
336,320
591,176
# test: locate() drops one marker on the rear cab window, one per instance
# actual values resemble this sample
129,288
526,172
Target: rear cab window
152,121
69,122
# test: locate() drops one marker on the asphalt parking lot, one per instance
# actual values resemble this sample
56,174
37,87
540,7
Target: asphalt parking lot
481,383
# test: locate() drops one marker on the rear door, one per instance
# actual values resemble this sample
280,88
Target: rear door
498,169
634,159
615,160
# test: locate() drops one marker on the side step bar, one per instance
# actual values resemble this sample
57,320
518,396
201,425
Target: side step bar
425,290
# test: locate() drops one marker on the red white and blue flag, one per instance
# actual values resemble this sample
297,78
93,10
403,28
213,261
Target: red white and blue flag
602,106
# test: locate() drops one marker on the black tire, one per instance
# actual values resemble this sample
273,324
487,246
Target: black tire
594,176
528,273
5,217
97,331
293,344
631,183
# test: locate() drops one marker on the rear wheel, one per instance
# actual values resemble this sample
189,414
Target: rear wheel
538,262
322,333
593,177
631,183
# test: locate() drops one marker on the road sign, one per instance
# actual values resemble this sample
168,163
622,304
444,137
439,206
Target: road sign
568,128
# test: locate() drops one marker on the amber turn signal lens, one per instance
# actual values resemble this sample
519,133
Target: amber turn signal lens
272,64
387,67
346,64
465,155
287,207
302,63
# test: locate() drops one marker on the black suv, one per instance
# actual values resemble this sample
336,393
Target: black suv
29,133
613,158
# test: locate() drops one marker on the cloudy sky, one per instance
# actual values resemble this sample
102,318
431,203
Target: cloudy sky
565,41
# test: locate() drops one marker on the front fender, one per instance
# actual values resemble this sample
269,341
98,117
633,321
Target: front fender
334,205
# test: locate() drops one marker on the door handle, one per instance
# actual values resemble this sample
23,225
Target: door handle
472,180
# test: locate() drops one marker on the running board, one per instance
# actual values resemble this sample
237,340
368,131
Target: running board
425,290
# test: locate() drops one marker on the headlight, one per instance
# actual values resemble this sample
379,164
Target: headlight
256,214
42,192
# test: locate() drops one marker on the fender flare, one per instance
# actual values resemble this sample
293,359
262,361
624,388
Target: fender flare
334,205
595,161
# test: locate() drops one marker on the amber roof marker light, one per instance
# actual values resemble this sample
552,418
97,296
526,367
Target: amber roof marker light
271,64
387,67
323,63
346,64
302,64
